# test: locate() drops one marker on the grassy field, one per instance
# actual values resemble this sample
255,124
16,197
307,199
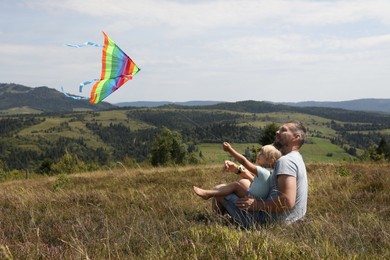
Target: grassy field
19,111
214,154
322,150
318,150
154,214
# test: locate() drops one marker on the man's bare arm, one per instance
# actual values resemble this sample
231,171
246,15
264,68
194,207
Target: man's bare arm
283,202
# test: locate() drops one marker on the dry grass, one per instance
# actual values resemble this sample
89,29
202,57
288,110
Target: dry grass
153,214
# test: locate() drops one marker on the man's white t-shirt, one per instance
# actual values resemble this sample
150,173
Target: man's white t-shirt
291,164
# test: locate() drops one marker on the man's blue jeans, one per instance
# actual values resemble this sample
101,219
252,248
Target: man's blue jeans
243,218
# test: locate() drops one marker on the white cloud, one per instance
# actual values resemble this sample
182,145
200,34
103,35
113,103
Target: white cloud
376,41
220,13
299,49
189,49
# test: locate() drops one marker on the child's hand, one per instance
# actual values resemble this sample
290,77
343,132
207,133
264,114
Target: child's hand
226,146
229,166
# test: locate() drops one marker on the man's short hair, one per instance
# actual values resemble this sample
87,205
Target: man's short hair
300,129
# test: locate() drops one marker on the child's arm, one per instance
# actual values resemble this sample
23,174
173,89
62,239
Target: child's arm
246,174
233,167
240,158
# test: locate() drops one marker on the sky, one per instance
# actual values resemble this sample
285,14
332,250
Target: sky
219,50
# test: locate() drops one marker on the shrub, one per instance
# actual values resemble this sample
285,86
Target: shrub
68,164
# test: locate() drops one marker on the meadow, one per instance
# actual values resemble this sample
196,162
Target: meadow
318,150
152,213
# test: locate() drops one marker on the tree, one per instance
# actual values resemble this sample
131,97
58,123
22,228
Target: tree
168,148
68,163
371,155
46,166
2,167
268,135
383,148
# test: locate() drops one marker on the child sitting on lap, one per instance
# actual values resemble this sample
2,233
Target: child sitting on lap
255,180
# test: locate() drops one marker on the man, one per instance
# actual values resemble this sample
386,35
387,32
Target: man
287,201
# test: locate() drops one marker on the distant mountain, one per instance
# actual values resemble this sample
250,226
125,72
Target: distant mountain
367,104
42,99
340,114
164,103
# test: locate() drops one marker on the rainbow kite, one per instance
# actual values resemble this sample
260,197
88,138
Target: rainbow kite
117,69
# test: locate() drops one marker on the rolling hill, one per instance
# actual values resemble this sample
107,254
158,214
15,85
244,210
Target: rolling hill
16,98
367,104
164,103
52,126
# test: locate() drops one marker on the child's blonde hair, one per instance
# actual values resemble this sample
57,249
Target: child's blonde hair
271,153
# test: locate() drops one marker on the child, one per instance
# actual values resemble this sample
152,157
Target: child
255,180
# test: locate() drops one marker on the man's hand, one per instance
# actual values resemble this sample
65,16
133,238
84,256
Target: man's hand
246,203
283,202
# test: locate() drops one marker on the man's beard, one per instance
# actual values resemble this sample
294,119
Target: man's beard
278,145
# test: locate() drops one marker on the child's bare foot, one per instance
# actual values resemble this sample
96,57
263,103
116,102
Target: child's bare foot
201,193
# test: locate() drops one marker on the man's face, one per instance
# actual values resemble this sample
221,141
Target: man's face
284,136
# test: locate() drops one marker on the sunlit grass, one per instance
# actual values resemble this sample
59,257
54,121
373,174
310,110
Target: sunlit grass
322,150
53,128
116,117
20,110
49,123
154,214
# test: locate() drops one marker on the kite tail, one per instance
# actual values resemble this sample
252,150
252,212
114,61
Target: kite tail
71,96
84,44
86,83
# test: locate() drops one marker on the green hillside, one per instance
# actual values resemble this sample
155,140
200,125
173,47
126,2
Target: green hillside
122,134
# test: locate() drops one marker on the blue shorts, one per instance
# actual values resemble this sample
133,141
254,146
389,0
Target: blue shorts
243,218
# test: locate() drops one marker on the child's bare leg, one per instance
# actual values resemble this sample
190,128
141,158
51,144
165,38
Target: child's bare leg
205,194
219,190
245,183
240,189
222,190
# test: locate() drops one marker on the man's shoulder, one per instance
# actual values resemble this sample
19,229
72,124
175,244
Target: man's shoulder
291,157
292,154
